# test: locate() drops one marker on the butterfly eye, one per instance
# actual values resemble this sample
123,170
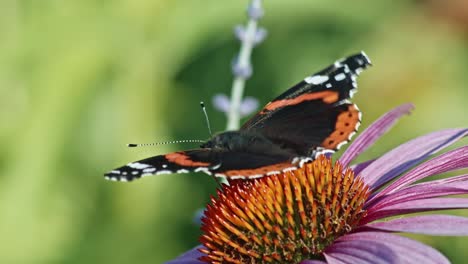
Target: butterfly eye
208,144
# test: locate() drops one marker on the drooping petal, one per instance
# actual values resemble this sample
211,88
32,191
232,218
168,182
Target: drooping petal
401,158
436,225
460,178
407,250
357,168
362,251
339,258
415,206
452,160
189,257
312,262
374,132
420,191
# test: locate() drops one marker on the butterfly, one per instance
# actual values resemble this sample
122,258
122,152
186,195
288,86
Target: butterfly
311,118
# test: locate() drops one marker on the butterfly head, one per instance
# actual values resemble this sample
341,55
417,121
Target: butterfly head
224,141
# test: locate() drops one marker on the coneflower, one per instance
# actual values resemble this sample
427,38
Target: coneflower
331,212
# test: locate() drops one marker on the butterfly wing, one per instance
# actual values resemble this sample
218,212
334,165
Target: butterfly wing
315,114
311,116
249,165
221,163
175,162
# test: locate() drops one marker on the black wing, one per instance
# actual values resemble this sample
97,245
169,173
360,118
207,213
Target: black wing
248,165
315,114
221,163
175,162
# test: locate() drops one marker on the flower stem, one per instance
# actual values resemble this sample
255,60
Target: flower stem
242,67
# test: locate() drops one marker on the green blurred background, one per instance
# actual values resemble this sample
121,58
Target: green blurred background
80,79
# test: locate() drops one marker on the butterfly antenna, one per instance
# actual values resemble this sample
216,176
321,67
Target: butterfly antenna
165,143
206,117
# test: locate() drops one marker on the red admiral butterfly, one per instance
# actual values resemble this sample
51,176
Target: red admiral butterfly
311,118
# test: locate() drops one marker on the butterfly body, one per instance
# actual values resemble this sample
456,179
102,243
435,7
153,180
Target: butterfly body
244,142
313,117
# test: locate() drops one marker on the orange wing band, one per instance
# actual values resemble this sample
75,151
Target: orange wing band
328,97
181,159
345,126
258,171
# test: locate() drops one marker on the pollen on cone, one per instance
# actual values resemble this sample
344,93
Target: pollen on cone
285,217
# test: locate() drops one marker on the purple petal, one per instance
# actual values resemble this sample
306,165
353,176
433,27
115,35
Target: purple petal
420,191
357,168
312,262
189,257
398,160
337,258
221,103
416,206
374,132
460,178
452,160
340,258
407,250
363,251
437,225
248,105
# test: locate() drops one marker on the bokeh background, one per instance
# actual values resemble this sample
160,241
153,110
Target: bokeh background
80,79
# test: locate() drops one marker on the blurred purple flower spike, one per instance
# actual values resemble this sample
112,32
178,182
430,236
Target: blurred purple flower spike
221,103
255,10
260,34
248,105
240,70
249,36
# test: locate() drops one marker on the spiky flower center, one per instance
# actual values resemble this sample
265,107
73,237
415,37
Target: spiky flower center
288,217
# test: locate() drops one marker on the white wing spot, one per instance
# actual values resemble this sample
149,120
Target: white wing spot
203,169
215,166
341,144
163,172
316,79
136,165
164,166
232,177
357,126
289,169
340,77
149,170
182,171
